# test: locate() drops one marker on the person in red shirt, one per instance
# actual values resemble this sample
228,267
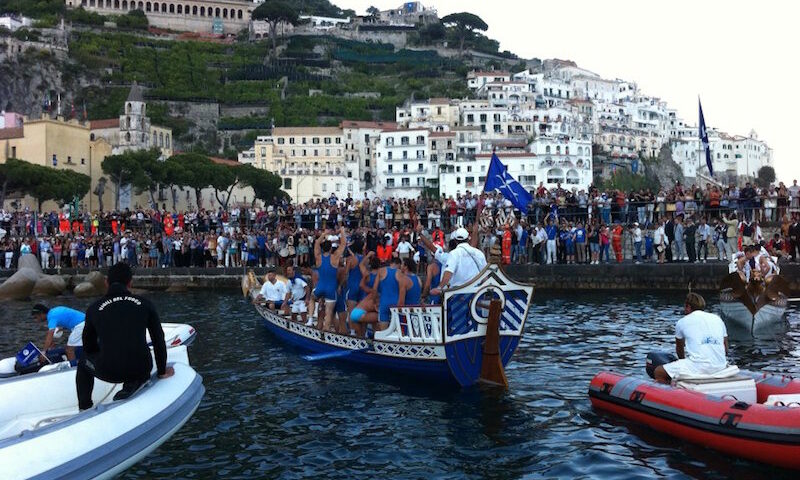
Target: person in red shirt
616,241
506,245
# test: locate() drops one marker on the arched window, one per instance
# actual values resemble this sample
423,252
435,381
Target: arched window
128,137
573,178
224,13
167,140
124,4
566,150
202,11
144,138
128,108
547,149
161,139
580,150
148,7
240,15
171,8
216,12
91,137
558,149
555,175
180,9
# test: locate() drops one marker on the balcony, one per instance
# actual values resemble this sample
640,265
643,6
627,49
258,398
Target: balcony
407,172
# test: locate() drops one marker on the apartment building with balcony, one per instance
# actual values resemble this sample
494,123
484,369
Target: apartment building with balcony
561,161
310,161
403,162
435,114
360,142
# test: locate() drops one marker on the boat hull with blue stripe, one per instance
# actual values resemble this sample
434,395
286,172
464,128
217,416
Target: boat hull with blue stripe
441,343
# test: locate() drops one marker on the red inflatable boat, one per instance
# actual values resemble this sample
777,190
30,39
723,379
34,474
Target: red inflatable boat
767,430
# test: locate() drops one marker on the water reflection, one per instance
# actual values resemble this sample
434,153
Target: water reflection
269,414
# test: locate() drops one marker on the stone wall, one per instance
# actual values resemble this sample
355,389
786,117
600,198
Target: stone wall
641,278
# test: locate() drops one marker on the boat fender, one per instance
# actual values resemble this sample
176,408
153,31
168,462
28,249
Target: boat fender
655,359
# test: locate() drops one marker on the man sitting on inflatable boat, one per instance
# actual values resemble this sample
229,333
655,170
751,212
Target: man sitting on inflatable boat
701,343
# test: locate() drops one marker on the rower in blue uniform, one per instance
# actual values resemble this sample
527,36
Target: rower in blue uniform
414,293
392,285
327,263
354,274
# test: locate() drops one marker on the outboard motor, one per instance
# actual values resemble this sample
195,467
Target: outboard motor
655,359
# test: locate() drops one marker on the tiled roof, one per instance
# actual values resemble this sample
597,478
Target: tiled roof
290,131
105,123
8,133
363,124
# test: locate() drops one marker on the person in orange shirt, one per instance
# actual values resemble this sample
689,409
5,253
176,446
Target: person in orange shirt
506,245
616,241
384,250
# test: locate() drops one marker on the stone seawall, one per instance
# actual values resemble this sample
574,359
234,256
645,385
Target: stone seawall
647,277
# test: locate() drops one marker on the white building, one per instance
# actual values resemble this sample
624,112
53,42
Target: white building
562,161
435,114
734,158
477,79
324,23
360,142
14,23
310,160
403,163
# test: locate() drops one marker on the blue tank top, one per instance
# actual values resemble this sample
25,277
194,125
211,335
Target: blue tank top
413,296
354,276
326,281
436,299
389,291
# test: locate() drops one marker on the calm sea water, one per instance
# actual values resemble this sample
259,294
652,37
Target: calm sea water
269,414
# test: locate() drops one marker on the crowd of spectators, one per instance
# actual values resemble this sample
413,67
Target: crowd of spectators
561,225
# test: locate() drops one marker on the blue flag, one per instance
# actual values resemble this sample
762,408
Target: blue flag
498,178
27,355
704,139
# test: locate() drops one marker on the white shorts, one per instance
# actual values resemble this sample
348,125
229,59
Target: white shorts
299,307
76,336
687,368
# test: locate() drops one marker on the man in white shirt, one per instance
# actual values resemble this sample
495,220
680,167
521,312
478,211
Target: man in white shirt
297,296
222,247
636,233
701,343
660,242
273,292
404,248
703,235
464,263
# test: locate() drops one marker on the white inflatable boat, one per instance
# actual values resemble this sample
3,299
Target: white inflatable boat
43,435
175,334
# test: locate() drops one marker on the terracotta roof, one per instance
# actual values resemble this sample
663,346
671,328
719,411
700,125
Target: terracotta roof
224,161
105,123
499,73
439,101
405,130
7,133
292,131
362,124
442,134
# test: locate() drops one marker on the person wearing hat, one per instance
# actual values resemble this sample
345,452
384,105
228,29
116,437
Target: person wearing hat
60,318
464,262
701,343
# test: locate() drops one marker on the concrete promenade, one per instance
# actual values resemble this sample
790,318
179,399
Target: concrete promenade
625,276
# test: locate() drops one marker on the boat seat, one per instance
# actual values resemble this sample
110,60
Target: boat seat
791,400
706,381
740,387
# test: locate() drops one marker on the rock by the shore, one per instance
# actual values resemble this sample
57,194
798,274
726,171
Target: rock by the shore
92,286
49,286
20,285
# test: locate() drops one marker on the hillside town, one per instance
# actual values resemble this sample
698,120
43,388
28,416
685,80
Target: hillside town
554,124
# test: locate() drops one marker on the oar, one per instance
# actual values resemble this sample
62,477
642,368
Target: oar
337,354
793,299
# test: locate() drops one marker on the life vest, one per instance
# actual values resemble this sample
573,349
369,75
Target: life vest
384,253
507,247
169,225
114,226
438,238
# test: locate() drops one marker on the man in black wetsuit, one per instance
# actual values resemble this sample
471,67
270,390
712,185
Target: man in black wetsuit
114,340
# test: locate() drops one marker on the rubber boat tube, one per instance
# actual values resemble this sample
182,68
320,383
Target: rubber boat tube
43,435
756,431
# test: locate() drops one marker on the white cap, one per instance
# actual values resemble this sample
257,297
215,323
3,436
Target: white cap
461,233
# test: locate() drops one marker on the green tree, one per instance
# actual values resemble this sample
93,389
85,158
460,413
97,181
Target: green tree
766,176
193,170
373,11
275,12
464,25
42,183
127,169
135,19
266,185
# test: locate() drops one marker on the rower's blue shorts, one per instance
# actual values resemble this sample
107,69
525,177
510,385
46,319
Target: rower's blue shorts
354,294
357,314
341,306
325,292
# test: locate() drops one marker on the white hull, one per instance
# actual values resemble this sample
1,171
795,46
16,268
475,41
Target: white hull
175,334
767,316
44,435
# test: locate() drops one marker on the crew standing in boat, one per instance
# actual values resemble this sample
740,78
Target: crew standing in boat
391,284
63,318
327,264
115,346
701,343
464,262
